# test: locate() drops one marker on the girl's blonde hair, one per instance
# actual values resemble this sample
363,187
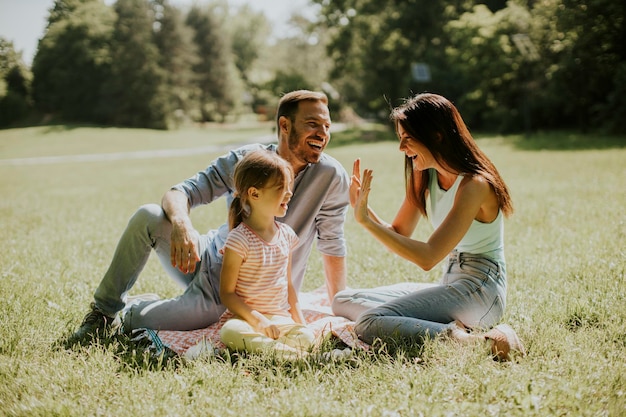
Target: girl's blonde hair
258,169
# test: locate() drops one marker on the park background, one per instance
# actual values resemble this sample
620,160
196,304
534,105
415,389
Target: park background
112,111
521,65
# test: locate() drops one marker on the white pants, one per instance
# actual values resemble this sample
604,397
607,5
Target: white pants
238,334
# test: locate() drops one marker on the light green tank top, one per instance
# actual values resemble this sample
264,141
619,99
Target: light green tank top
481,238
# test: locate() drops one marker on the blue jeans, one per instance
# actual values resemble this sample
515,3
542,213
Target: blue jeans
199,305
472,291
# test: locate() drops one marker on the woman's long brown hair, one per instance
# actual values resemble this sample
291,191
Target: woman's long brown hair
435,122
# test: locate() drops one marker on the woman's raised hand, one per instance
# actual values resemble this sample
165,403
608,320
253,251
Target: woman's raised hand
355,181
361,211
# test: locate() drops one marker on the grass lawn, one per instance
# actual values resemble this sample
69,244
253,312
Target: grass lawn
566,259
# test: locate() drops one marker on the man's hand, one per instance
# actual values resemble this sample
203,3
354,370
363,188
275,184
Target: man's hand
184,247
184,240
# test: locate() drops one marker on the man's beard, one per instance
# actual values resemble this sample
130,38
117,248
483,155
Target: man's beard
298,149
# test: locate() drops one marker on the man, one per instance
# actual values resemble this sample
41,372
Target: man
317,211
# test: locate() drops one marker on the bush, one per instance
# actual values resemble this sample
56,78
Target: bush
13,107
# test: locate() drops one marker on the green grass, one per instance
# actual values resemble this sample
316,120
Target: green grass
565,249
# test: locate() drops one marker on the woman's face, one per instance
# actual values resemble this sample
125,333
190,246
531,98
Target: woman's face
414,149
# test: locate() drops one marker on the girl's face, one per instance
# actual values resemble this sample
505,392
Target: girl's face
414,149
276,197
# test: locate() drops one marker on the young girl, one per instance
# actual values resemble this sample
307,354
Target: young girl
444,169
256,284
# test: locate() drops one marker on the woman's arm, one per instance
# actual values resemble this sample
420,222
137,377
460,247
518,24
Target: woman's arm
469,198
231,265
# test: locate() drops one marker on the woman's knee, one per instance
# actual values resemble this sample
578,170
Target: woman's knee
341,301
364,325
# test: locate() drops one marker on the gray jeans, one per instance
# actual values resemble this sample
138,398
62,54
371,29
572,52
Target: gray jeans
472,291
198,307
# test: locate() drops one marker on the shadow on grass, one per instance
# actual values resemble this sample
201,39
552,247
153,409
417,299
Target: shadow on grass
141,354
567,141
133,354
552,141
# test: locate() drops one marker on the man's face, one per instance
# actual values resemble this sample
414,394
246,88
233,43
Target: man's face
308,134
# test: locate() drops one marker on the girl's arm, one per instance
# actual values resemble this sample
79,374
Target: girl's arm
294,304
231,265
469,198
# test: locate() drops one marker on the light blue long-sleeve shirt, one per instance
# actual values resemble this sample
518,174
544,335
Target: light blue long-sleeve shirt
317,210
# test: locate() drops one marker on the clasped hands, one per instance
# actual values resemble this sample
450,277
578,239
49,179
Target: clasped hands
265,326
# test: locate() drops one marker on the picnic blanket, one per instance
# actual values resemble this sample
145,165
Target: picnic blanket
317,313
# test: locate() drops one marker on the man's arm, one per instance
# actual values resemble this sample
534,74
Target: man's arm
203,188
335,272
184,240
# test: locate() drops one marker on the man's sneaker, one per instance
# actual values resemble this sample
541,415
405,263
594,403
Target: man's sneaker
96,325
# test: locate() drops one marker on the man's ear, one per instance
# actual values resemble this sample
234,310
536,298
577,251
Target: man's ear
285,124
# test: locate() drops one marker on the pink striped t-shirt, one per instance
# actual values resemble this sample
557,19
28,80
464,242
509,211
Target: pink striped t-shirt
262,281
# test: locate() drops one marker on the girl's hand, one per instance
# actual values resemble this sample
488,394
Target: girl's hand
268,329
361,213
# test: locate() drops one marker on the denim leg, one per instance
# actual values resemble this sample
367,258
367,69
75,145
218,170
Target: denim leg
147,229
414,317
351,303
472,291
198,307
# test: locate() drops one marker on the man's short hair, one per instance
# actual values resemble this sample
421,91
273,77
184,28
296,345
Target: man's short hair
288,104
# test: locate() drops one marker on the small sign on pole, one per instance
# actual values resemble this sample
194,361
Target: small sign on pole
420,72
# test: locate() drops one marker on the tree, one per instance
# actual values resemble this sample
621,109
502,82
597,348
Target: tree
9,57
72,60
585,49
14,85
135,95
294,60
495,59
374,43
249,32
177,56
218,87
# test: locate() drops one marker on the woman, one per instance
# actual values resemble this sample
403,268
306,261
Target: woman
468,199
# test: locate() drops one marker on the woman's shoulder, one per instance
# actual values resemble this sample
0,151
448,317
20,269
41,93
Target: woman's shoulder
475,183
479,189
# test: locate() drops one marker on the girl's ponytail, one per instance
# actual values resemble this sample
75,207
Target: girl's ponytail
235,213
